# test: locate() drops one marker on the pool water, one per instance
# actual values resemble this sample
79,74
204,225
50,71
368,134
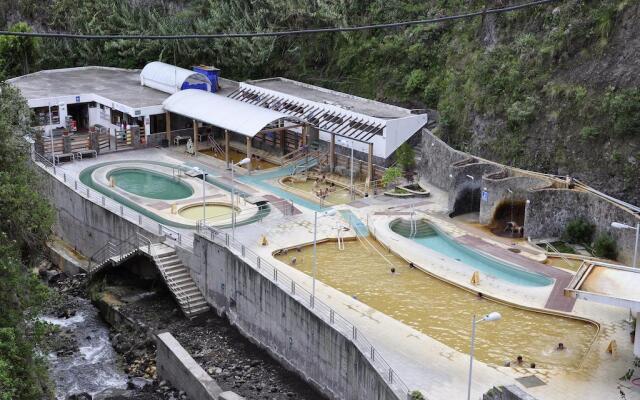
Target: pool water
427,236
444,311
339,194
150,184
213,212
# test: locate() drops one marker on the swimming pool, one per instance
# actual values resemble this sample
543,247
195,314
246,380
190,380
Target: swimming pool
149,184
427,235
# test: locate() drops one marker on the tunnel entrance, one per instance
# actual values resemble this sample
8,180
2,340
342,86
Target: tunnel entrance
508,219
467,201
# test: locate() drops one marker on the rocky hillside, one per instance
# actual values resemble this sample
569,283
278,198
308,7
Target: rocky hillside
554,88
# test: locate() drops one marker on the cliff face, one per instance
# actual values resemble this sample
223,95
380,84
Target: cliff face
553,88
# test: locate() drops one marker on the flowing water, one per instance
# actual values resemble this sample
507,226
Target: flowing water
444,311
94,367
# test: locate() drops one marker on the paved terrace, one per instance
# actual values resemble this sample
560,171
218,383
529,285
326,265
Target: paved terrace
421,361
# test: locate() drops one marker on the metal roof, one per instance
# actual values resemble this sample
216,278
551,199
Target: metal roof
328,119
169,78
222,111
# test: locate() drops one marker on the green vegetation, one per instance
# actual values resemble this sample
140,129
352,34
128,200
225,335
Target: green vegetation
391,176
605,246
16,53
416,395
25,221
579,231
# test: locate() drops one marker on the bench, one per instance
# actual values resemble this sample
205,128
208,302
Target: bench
58,157
178,139
84,153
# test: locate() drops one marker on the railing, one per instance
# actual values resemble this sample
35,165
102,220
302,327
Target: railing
117,249
303,296
173,286
182,239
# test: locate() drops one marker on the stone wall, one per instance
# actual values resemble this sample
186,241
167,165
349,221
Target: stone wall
549,211
460,185
497,189
289,331
436,161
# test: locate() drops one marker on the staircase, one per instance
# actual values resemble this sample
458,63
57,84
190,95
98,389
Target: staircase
178,279
174,273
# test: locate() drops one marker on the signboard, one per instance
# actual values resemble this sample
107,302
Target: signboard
485,196
77,99
138,112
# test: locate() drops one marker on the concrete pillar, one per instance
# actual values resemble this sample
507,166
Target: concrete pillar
226,147
249,152
195,137
332,152
94,141
283,141
167,126
66,144
370,164
135,137
636,341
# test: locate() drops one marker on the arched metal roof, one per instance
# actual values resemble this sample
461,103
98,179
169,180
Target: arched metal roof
222,111
169,78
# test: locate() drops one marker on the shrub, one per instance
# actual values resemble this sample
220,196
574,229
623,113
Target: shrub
406,156
391,175
578,231
589,132
605,246
416,395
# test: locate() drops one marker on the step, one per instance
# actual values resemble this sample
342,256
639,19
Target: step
177,275
195,303
196,311
174,268
170,264
178,281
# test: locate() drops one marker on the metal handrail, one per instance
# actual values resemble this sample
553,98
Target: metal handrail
322,310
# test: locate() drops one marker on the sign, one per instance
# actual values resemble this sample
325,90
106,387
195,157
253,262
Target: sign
485,196
77,99
137,112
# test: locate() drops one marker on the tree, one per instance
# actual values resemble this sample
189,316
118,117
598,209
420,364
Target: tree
391,175
17,54
25,222
406,156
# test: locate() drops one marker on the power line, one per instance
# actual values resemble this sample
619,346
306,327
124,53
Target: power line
279,33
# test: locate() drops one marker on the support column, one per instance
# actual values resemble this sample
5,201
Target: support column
195,137
249,153
370,164
332,152
226,147
283,141
305,133
167,126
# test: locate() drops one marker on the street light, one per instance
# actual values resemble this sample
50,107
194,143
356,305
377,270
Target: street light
350,143
494,316
619,225
327,213
198,171
244,161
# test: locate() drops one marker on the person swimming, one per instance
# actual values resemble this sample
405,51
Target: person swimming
561,347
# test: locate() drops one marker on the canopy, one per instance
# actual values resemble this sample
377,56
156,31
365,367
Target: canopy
170,79
221,111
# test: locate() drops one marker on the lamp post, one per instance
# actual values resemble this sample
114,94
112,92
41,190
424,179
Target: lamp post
327,213
244,161
198,171
494,316
619,225
350,143
53,159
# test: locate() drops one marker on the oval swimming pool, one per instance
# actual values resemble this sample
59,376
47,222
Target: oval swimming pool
429,236
150,184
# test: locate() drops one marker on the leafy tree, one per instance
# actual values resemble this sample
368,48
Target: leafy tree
579,231
406,156
17,54
391,175
605,246
25,221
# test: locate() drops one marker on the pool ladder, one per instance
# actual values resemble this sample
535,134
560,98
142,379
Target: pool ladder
413,226
340,239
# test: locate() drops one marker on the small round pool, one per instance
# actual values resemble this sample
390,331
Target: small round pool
150,184
213,210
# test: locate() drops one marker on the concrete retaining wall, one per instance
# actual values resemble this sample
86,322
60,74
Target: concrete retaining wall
175,365
268,316
85,225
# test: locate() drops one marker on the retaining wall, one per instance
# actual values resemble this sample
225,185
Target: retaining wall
549,211
82,223
175,365
498,193
436,161
289,331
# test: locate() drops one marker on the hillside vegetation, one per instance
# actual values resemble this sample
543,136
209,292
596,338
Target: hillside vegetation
554,88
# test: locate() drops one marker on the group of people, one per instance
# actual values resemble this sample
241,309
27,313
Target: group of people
520,360
323,192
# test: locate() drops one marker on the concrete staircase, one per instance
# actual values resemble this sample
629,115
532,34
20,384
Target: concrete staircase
178,279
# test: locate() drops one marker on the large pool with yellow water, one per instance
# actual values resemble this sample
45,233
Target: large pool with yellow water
444,311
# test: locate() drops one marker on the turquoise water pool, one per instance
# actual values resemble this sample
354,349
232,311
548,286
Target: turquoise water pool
150,184
428,236
359,226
